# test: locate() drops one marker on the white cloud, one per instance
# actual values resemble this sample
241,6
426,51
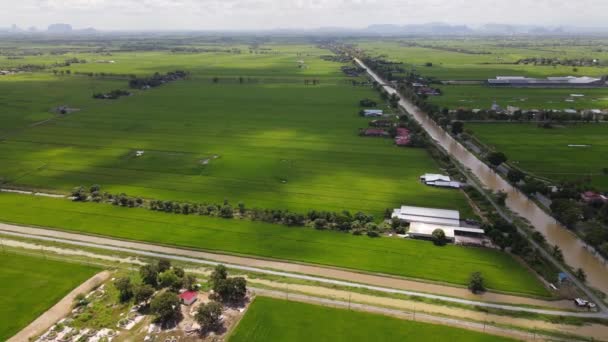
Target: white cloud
239,14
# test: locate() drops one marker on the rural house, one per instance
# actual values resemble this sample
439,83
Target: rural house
188,297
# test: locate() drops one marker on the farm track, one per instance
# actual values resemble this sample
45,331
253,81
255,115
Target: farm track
299,271
410,315
408,307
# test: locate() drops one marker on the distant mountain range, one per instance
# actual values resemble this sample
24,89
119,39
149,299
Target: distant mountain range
435,29
51,29
487,29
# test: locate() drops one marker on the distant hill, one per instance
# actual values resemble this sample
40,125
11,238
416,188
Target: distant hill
59,28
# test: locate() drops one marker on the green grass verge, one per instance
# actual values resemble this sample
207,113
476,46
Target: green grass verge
277,320
31,285
410,258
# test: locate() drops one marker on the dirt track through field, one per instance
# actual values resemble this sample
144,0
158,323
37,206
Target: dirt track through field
327,272
597,331
59,310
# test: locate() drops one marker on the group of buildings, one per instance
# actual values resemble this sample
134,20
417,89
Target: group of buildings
549,82
423,89
423,221
441,181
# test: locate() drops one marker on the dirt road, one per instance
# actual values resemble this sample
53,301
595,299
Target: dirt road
597,331
419,317
406,306
295,270
59,310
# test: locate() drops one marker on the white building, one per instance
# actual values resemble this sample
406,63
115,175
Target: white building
442,181
428,215
433,177
425,231
444,184
373,112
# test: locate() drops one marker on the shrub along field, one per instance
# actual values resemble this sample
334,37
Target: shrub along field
259,135
409,258
271,319
31,285
524,143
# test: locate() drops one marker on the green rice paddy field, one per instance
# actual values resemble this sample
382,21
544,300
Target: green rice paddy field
498,59
401,257
270,142
545,152
31,285
271,319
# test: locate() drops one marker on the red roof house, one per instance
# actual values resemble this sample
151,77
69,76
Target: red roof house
375,132
593,197
188,297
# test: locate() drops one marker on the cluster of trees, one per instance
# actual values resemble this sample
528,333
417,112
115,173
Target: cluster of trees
104,74
385,69
542,116
506,236
447,48
368,103
225,290
496,158
314,81
112,95
162,278
161,275
236,51
157,79
558,61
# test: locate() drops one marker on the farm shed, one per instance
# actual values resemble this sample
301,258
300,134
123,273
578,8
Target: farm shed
373,112
433,177
188,297
549,82
444,184
428,215
425,231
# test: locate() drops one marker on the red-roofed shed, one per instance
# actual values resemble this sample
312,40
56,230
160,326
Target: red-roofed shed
188,297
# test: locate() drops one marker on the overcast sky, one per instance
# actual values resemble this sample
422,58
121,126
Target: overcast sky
267,14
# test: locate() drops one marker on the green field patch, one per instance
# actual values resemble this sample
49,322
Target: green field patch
524,143
410,258
31,285
251,126
271,319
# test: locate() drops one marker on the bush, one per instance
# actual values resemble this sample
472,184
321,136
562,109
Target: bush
166,307
439,238
476,283
497,158
209,315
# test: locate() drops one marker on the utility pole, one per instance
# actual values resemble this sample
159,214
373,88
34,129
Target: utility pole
349,295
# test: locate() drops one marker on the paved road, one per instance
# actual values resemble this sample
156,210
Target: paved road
410,315
192,256
59,310
410,107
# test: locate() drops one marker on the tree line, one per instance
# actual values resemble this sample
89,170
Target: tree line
357,223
